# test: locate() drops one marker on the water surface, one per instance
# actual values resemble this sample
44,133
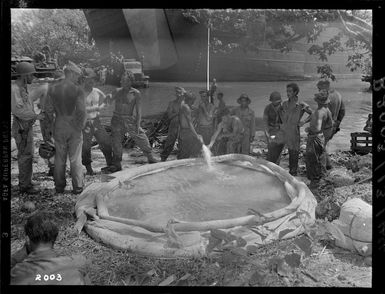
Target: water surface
194,193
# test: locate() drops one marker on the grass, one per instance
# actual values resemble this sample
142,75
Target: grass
107,266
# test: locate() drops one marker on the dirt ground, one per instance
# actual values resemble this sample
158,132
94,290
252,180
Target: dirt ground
327,266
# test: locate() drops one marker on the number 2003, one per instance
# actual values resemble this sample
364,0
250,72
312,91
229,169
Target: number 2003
47,278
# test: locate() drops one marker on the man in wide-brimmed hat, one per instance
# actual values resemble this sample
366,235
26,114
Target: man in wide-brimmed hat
290,114
94,99
205,126
336,107
319,131
173,118
247,116
272,124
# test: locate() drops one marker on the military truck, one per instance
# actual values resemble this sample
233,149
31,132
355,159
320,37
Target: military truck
141,80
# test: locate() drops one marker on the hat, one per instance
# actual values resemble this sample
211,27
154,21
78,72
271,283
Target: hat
323,84
243,96
275,96
73,67
203,92
321,99
180,89
89,73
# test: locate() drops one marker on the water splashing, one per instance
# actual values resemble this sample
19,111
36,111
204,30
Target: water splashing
207,156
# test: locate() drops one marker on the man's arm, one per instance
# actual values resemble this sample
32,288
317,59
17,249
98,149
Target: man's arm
216,134
138,107
17,106
315,123
306,109
252,126
187,114
102,98
266,122
20,255
80,112
110,97
341,114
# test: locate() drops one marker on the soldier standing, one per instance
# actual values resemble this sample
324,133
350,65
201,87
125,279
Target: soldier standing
247,117
66,101
205,117
24,117
126,99
173,127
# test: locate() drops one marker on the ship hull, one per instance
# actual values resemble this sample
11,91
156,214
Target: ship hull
175,49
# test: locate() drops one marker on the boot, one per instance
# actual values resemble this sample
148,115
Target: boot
77,191
90,172
151,158
328,162
50,172
104,169
293,162
113,169
28,190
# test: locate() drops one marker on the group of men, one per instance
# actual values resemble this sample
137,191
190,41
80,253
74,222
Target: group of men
211,123
282,128
69,119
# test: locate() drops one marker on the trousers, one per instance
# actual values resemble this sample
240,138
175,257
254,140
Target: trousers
119,127
206,132
172,136
68,142
94,128
315,157
22,132
189,146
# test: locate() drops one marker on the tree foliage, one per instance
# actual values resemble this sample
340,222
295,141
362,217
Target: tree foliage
63,30
280,29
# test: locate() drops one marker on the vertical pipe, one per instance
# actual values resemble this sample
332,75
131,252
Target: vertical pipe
208,56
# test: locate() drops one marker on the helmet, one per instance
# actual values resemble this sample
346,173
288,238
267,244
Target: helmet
275,96
25,68
46,150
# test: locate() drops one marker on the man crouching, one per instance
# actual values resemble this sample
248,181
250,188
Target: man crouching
37,263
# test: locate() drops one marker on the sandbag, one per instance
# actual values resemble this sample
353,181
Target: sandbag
355,222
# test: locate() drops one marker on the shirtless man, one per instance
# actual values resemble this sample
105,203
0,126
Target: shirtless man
126,100
205,117
319,131
230,131
65,101
173,127
189,141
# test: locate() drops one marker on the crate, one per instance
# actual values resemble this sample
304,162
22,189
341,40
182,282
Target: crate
361,142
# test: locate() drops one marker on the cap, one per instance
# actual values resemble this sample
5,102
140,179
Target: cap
73,67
